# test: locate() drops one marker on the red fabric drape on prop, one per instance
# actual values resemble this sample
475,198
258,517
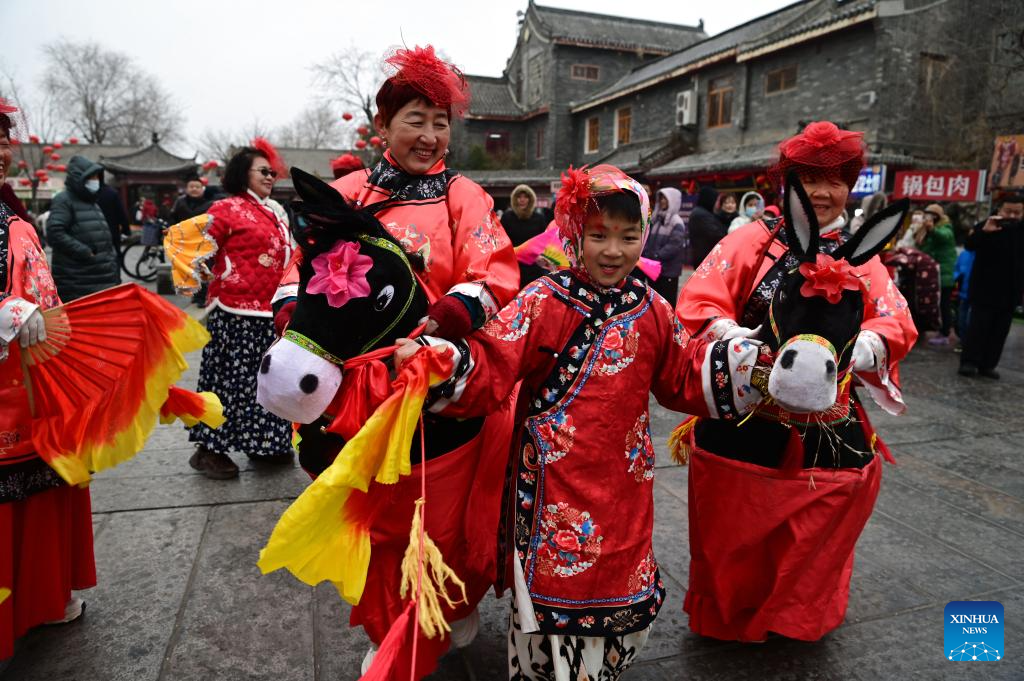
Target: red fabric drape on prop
463,501
791,573
45,552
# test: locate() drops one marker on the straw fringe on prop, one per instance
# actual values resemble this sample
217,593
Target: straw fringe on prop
105,374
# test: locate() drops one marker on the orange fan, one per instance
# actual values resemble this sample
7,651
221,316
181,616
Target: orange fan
104,374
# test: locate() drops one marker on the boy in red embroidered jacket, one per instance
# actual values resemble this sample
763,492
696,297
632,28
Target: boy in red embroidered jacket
589,344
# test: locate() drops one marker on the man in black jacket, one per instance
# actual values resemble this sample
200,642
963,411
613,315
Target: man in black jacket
109,201
705,228
996,286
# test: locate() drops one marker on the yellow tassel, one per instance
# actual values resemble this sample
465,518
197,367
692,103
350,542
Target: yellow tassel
4,593
874,439
435,573
679,441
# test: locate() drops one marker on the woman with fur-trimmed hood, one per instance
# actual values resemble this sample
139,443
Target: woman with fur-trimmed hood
523,221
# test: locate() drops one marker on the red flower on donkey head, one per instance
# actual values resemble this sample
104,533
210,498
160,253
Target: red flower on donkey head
828,277
340,274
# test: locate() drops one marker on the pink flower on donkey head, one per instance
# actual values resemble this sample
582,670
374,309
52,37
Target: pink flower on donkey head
340,274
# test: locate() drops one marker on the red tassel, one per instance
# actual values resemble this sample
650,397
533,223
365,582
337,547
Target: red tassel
793,456
385,662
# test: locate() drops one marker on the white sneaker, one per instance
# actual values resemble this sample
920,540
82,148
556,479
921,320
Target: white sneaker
368,660
466,629
72,611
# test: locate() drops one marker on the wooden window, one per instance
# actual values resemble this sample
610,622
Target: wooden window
780,80
497,143
535,79
623,125
720,103
538,143
585,72
593,137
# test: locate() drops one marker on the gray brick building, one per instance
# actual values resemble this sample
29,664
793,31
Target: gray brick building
930,83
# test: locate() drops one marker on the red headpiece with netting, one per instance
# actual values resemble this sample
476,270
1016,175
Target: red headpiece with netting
822,149
440,82
262,145
346,163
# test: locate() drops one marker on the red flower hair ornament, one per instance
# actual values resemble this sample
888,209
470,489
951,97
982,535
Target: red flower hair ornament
571,201
828,277
440,82
262,145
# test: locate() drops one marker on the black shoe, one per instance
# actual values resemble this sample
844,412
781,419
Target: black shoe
273,459
213,465
968,370
989,373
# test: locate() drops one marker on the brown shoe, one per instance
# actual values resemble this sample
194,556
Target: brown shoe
213,465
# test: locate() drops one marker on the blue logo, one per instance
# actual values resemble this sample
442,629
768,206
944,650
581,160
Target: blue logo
974,631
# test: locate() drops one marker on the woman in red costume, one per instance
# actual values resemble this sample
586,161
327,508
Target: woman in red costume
467,267
753,573
45,525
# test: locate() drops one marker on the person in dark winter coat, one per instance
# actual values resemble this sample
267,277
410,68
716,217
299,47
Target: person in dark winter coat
84,258
193,203
109,201
705,229
996,285
667,242
523,221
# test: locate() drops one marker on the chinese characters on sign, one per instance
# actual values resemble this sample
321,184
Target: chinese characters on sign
870,180
940,185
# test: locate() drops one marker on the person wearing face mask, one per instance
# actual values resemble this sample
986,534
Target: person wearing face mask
84,258
752,208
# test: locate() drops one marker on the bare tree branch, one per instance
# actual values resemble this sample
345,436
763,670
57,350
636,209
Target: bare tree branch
316,127
350,78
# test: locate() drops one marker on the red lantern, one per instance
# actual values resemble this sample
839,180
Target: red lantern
58,145
360,144
49,166
25,182
15,141
204,180
47,149
375,141
55,156
347,116
22,164
362,130
34,139
62,168
73,140
40,173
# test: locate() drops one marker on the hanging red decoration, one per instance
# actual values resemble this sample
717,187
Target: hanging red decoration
362,130
347,116
55,156
49,166
47,149
24,182
40,173
34,139
73,140
22,164
360,144
204,180
58,145
375,141
62,168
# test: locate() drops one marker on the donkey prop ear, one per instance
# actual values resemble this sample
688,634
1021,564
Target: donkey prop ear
799,221
874,234
312,190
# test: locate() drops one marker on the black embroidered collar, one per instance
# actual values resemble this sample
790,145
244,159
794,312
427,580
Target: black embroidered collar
405,187
5,235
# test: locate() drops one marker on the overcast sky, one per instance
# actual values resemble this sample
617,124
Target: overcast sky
229,63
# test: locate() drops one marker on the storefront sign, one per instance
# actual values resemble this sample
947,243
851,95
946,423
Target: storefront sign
870,180
940,185
1007,171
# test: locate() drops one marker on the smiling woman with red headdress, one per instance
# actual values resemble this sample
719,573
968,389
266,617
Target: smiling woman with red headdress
776,582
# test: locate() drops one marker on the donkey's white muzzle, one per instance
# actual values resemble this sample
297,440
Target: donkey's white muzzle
294,383
803,378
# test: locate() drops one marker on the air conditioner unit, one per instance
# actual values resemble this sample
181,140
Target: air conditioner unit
686,108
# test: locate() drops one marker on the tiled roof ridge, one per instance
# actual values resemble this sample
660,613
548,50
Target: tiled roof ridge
616,18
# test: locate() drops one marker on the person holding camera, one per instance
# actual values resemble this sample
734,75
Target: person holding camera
996,285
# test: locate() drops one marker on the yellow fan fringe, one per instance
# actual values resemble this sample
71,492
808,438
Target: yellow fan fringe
4,593
75,467
678,441
432,585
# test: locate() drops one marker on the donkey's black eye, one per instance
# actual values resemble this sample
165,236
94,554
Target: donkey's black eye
384,298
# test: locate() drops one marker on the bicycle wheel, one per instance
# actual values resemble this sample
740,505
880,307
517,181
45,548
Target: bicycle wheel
129,257
145,267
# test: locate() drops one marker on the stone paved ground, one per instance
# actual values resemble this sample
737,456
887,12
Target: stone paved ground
180,598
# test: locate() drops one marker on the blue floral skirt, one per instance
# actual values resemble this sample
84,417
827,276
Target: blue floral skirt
231,362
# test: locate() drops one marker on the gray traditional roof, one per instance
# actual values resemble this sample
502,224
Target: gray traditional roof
491,97
491,179
763,34
754,156
611,32
152,159
631,157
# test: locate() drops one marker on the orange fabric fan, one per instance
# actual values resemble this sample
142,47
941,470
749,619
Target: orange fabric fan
105,373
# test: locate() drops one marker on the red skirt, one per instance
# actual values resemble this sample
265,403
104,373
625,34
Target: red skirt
769,551
463,503
45,552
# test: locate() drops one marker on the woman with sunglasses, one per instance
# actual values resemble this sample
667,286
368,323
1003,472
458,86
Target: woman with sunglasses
252,243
